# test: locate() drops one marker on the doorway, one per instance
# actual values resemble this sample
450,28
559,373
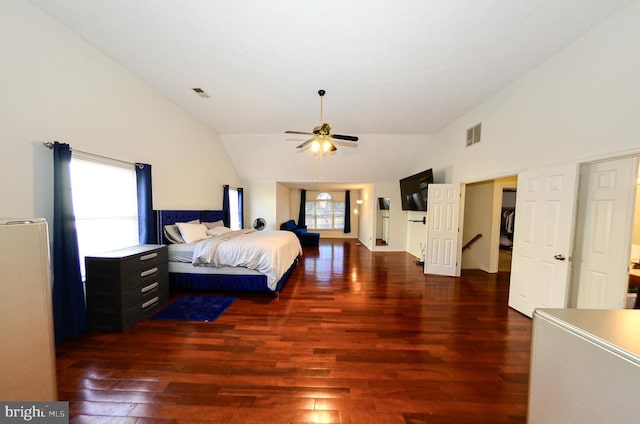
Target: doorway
507,225
484,214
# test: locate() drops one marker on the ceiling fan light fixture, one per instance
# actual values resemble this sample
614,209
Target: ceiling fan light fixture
321,135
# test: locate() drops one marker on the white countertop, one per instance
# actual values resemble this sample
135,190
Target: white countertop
616,330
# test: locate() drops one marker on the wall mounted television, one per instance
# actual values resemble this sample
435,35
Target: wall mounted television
413,190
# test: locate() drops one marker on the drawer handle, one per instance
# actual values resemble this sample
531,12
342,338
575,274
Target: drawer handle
150,302
149,256
149,272
149,287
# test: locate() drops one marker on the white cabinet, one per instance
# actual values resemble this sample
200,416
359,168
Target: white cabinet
585,366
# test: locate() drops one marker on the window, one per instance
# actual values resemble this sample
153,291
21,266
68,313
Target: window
324,213
234,209
105,204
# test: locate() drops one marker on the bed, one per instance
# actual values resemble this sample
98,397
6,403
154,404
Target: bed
244,260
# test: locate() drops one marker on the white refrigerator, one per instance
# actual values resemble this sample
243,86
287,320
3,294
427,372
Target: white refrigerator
27,352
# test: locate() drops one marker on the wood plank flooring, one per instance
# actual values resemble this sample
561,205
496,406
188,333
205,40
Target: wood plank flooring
354,337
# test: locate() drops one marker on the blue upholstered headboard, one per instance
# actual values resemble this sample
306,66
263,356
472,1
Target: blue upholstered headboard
167,217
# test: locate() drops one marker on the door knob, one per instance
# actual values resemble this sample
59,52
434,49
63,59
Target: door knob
559,257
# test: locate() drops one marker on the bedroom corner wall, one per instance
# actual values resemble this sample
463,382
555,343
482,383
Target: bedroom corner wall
260,202
56,87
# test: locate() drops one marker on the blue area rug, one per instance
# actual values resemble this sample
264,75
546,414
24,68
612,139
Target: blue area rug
195,308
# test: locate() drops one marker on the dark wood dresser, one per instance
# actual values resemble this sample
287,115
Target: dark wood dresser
126,285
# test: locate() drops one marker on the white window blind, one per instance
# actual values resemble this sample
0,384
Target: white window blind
105,204
234,210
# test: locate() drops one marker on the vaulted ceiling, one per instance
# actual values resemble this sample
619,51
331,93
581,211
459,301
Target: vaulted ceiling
401,67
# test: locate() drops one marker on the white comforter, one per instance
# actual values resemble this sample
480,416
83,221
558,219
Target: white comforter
268,252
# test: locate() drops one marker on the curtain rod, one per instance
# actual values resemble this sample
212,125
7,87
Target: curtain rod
49,145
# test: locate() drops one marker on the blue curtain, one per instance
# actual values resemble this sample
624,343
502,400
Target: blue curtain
347,211
226,213
69,309
241,206
301,213
146,230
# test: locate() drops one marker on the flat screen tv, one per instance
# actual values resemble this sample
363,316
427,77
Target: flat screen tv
413,190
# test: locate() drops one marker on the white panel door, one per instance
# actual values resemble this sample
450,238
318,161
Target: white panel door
543,237
443,223
606,201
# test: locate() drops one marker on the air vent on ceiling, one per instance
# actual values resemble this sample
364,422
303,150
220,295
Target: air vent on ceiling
473,134
200,92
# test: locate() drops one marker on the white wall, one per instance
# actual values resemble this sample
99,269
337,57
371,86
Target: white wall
260,202
283,199
366,222
416,232
56,87
581,104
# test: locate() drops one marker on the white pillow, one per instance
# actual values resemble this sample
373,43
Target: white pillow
192,232
172,232
216,231
214,224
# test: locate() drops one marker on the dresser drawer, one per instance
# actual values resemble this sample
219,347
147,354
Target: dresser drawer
126,284
133,260
122,318
129,291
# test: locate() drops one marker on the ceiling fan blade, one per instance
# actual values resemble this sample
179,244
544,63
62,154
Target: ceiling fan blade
344,137
297,132
305,144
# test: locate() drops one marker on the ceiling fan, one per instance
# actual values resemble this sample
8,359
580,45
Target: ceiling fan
322,137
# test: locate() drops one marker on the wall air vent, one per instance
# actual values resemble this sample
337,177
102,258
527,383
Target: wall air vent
473,134
200,92
469,137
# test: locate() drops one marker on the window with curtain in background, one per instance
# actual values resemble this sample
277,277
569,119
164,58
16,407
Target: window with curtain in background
234,209
324,213
105,204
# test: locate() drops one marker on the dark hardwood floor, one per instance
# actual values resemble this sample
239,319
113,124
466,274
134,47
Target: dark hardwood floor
354,337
